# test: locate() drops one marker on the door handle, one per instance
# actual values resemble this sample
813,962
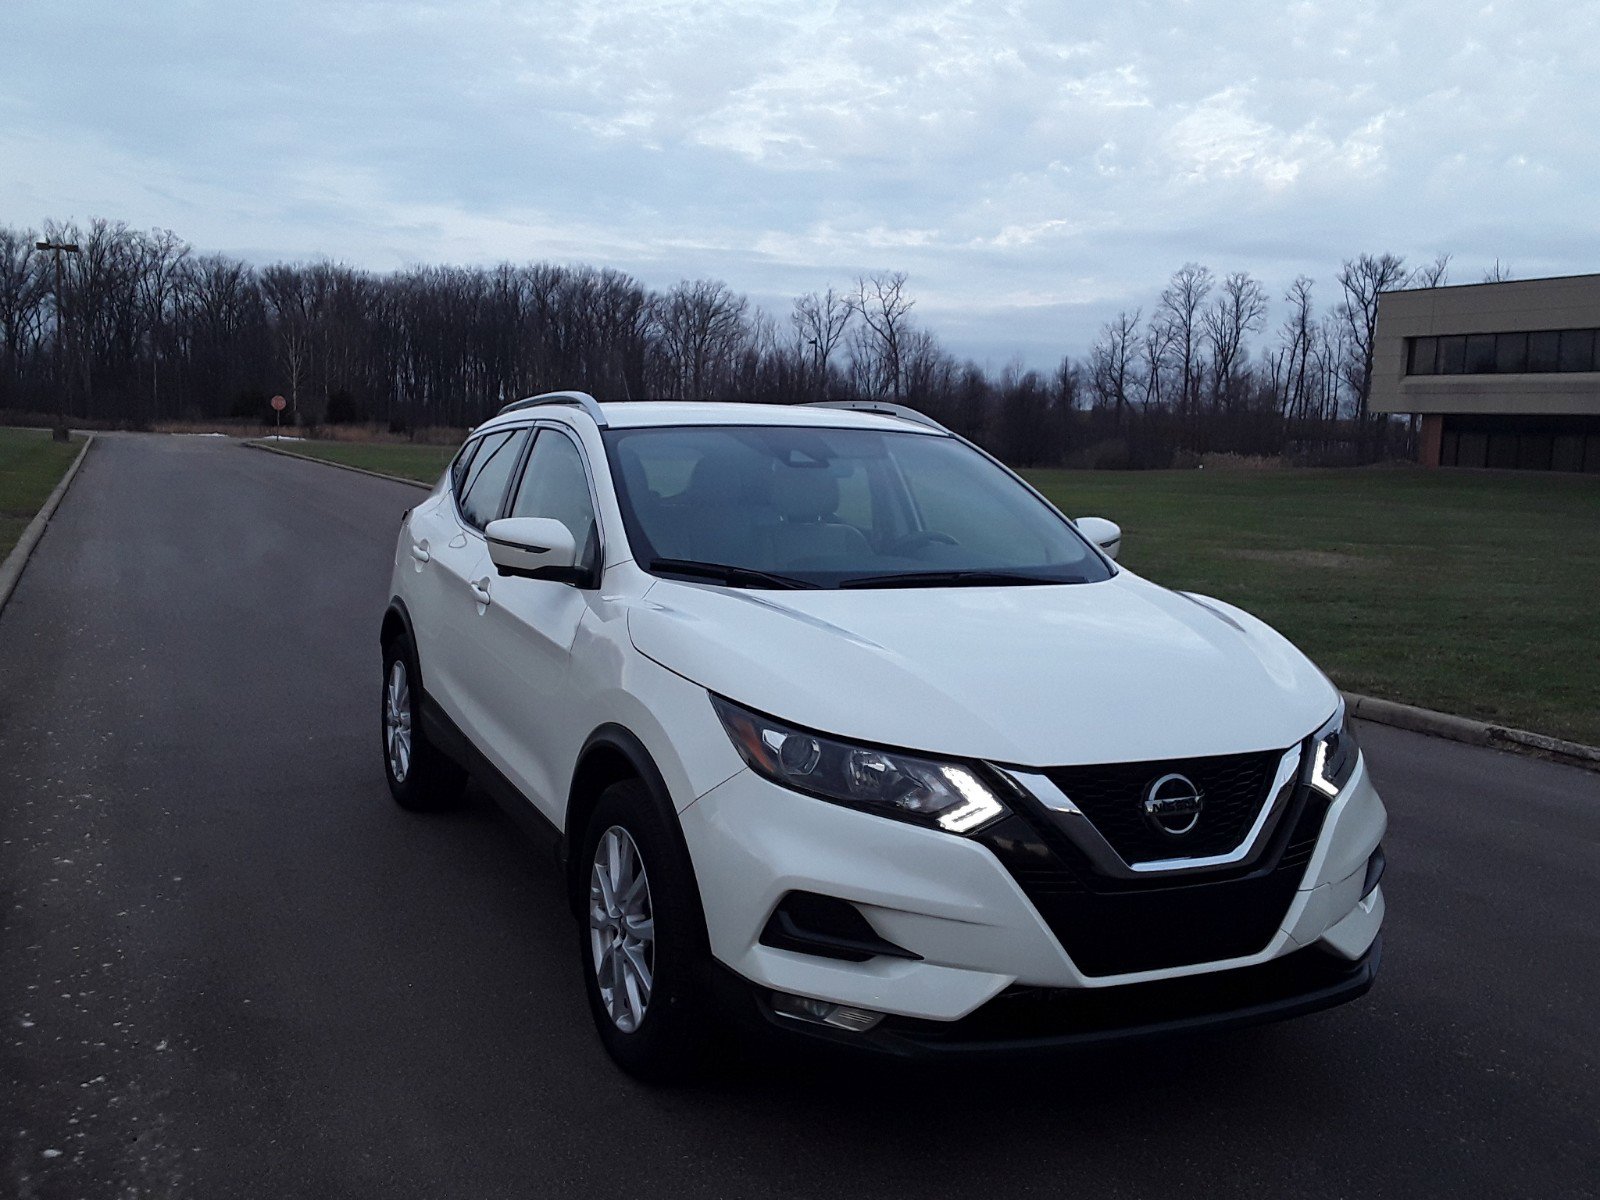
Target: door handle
419,551
480,589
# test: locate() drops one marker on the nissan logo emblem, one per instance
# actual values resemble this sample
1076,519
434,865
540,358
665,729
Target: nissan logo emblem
1172,804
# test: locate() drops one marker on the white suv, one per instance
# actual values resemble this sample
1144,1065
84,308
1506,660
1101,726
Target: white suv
844,730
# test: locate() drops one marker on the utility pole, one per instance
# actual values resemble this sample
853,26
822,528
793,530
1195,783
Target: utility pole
58,249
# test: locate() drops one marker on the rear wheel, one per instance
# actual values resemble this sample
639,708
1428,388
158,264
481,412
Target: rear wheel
641,939
420,776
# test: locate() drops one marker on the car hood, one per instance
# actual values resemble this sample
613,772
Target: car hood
1117,671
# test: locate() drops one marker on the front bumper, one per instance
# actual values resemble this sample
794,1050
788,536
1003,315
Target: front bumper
974,933
1029,1021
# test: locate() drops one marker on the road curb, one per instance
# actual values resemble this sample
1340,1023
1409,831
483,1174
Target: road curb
1465,729
328,462
11,569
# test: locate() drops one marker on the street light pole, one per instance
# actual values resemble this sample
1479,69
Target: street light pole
58,249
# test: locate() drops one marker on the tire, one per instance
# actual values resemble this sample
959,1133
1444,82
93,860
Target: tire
664,1040
421,777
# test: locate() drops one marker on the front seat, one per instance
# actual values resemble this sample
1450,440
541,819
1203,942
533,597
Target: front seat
719,512
806,499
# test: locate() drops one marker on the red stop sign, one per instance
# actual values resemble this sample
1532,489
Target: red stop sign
279,403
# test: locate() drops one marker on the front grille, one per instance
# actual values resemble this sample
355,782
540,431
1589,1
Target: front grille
1111,795
1119,926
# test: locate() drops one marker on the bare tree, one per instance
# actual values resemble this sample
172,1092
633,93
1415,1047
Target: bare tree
1026,418
23,288
1330,356
886,312
1498,273
928,371
1113,364
97,313
1364,279
820,320
1180,308
701,323
224,321
1431,275
161,254
1298,332
146,328
290,307
1240,307
1156,355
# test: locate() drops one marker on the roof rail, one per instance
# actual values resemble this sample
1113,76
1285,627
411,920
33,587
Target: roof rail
574,399
883,408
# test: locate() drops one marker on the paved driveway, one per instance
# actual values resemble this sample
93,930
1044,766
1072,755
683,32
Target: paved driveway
229,966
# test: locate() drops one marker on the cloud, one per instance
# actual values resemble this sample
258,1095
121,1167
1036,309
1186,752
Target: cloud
1220,138
1034,165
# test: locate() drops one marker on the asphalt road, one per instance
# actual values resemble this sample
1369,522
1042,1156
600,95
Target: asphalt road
230,966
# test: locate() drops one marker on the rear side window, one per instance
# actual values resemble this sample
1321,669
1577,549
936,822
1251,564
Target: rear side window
488,474
459,468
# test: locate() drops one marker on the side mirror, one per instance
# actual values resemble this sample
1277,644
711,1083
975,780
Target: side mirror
534,548
1103,533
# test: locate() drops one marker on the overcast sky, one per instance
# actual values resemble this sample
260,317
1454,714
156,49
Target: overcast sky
1033,166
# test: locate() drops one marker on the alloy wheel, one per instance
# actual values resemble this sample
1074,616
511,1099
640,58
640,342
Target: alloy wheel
397,721
621,928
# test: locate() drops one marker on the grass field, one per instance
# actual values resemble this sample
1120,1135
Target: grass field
1470,592
30,467
419,462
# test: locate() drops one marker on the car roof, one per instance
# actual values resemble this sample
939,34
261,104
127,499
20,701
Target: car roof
636,414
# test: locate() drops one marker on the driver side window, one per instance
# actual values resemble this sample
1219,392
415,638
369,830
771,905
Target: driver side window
556,484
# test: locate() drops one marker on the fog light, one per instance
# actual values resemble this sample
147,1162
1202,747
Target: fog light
824,1012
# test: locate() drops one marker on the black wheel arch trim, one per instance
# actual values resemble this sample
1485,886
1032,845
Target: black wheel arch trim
619,739
398,611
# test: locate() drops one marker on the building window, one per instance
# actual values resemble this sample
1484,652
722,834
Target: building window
1521,442
1545,350
1510,353
1577,350
1480,354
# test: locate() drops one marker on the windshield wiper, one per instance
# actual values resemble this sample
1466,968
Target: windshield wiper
970,578
724,573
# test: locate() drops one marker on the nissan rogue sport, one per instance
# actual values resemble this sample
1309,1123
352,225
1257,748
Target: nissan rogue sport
844,730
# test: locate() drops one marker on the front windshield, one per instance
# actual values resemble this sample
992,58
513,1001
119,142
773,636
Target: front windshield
787,506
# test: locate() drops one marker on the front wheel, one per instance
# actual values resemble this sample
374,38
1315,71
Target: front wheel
641,939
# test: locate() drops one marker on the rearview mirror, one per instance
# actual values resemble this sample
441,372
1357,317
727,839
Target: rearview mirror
1103,533
533,547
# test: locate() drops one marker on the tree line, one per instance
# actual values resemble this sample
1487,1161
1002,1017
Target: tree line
136,328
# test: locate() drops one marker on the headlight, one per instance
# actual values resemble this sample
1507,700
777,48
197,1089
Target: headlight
1334,754
949,795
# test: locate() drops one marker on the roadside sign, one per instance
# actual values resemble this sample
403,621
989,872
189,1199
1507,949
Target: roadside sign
279,403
